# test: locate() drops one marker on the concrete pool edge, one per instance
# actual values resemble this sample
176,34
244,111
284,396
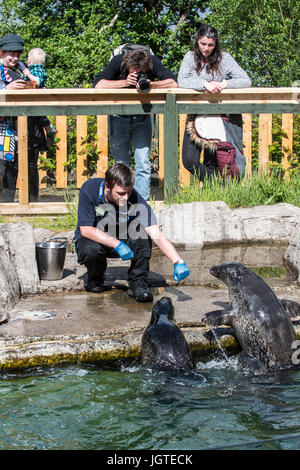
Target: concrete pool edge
22,353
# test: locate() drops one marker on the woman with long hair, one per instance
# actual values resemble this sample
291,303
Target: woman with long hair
210,69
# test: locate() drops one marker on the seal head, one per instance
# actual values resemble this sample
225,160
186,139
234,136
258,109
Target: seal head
163,343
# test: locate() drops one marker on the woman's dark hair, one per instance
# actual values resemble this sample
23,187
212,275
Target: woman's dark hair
119,174
212,62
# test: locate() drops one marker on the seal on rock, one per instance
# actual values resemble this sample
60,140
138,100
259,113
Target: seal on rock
262,326
163,343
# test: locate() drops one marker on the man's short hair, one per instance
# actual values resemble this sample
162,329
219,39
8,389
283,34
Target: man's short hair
119,174
139,59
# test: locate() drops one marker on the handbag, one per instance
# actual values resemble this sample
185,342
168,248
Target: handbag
227,166
213,132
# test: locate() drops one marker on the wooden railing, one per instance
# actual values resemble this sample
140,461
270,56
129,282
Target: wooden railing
170,105
61,180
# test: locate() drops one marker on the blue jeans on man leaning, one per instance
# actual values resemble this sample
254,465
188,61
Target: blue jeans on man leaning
136,129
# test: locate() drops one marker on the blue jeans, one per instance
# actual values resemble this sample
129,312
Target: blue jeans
136,129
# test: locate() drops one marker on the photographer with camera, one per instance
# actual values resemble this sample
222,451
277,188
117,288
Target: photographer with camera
141,70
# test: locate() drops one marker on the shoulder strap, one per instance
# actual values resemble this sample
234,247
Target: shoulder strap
9,75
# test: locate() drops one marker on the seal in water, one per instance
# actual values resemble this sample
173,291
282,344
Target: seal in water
262,326
163,343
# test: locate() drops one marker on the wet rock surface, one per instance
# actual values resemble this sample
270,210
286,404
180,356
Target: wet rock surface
63,323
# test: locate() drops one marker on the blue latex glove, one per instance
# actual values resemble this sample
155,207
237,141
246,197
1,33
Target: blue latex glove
124,251
181,271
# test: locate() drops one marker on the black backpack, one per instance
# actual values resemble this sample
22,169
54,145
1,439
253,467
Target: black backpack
124,49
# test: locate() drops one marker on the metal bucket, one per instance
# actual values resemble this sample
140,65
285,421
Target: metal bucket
50,257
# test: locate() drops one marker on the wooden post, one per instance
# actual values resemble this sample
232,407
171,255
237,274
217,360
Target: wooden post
287,139
247,141
102,145
264,140
171,143
184,174
23,160
61,152
81,153
161,155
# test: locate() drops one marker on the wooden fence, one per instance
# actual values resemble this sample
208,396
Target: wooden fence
171,106
264,142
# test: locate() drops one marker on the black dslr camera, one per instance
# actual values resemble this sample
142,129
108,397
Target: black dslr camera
143,82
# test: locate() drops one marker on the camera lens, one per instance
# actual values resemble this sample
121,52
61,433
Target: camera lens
143,82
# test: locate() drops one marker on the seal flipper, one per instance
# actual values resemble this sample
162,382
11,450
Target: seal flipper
251,364
218,317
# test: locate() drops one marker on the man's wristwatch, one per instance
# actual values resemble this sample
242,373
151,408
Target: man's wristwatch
179,261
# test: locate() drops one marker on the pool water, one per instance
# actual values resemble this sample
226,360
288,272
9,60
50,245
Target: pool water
85,407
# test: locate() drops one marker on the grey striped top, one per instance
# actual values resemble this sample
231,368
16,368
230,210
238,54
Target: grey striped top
234,75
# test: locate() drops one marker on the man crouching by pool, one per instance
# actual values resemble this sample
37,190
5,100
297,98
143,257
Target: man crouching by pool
114,220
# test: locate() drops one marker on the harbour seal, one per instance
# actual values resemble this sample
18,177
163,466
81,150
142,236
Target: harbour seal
262,326
163,343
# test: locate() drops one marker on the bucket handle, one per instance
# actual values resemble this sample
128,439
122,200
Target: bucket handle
64,240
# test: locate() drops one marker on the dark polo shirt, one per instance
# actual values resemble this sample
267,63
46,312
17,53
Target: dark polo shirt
95,211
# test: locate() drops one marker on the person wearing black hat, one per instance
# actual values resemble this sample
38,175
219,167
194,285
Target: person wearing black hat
12,47
12,42
11,78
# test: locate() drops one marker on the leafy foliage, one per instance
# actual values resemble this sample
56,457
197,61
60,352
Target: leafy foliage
79,36
263,36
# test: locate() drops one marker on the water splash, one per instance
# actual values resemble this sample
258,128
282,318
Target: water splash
231,363
220,345
131,369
